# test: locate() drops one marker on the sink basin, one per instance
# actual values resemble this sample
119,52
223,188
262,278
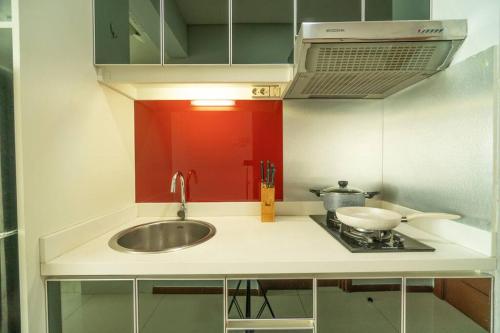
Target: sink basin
162,236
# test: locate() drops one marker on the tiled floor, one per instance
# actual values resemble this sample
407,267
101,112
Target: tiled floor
337,312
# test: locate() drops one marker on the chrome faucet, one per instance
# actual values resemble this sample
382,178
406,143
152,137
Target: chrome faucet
173,185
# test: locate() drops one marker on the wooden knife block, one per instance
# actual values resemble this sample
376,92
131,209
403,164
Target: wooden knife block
267,209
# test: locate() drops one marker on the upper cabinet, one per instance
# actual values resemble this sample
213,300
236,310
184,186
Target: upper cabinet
262,31
227,32
328,11
127,32
196,32
387,10
5,11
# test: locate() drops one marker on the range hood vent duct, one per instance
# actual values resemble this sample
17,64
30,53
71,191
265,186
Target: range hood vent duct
370,59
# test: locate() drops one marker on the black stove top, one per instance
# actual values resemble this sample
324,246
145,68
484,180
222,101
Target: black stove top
362,242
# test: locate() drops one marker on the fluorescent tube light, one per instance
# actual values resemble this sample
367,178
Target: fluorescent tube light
212,102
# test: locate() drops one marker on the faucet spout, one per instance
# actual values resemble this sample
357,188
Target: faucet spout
173,188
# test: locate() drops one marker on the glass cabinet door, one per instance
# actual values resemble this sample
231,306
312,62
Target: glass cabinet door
196,32
270,299
262,31
328,11
90,306
387,10
271,331
359,306
127,32
183,306
5,11
448,305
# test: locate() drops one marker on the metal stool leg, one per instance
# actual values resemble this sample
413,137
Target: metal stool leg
266,302
234,301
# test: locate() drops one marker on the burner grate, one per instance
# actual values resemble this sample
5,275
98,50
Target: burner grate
365,241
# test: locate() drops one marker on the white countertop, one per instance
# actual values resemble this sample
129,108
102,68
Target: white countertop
245,246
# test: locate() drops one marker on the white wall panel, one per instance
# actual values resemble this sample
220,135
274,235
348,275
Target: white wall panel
438,143
74,136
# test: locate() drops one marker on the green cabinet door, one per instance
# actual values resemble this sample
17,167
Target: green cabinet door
359,305
127,32
270,299
262,31
180,306
196,32
328,11
394,10
459,305
5,11
104,306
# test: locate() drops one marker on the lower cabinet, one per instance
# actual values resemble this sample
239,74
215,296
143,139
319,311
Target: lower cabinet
350,305
180,306
272,331
270,299
90,306
359,305
448,305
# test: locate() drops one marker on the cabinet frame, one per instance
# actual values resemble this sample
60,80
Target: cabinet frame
285,323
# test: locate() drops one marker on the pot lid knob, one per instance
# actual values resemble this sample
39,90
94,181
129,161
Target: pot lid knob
343,183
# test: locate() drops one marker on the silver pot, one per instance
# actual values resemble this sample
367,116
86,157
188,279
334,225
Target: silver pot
342,196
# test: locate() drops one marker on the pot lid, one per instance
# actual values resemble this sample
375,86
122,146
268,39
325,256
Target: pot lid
342,189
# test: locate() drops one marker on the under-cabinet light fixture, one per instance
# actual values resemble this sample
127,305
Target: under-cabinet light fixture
212,102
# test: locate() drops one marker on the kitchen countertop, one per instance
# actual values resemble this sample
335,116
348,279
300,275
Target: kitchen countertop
245,246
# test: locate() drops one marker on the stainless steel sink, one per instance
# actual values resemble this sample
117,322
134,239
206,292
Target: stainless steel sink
162,236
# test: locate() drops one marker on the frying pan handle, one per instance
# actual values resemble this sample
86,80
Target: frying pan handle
430,216
370,195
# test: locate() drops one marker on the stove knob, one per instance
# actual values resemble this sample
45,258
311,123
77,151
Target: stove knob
398,242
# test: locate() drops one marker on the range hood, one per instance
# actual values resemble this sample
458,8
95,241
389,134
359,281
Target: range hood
370,59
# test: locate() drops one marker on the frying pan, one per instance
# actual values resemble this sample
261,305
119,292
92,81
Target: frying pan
369,218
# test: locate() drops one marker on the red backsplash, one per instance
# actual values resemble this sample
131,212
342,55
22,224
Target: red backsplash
218,149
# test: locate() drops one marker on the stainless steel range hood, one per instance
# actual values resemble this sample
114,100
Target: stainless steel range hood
370,59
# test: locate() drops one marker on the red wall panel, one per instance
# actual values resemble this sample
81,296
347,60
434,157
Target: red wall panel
218,149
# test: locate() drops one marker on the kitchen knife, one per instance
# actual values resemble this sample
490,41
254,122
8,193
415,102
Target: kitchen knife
261,171
273,172
268,171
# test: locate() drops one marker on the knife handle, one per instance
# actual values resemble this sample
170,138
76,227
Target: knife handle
261,171
268,171
273,173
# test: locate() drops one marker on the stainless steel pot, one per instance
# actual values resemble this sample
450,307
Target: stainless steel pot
342,196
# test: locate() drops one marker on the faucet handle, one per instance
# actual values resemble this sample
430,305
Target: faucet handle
181,213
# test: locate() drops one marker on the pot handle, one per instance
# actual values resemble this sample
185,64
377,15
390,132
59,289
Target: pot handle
315,191
430,216
370,195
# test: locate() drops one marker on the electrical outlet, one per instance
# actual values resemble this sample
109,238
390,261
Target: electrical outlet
274,91
260,91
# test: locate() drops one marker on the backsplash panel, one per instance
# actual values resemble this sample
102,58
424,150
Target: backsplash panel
438,142
218,149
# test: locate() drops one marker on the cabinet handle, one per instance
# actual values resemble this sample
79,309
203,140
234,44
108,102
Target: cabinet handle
114,35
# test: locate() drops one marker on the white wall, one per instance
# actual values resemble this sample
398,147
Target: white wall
325,141
74,137
483,22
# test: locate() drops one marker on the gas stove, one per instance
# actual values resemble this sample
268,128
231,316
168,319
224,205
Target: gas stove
366,241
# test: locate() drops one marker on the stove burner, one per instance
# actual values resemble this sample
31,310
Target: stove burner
361,240
361,235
